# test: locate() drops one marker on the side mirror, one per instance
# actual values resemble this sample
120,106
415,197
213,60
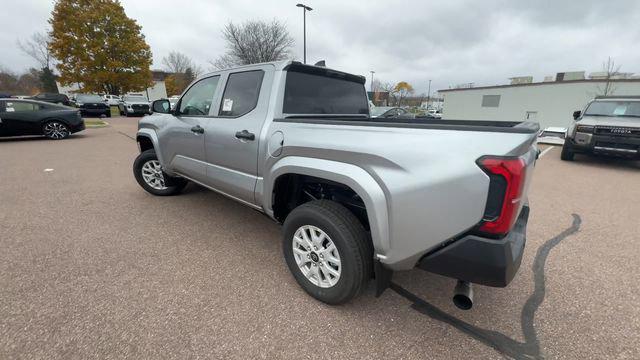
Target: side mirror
162,106
576,114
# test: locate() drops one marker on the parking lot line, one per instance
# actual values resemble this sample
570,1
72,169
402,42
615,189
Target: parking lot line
546,151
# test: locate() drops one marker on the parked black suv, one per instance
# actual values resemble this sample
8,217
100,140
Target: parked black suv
53,98
92,105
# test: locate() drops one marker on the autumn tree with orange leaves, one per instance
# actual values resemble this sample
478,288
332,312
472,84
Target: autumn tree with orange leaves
99,47
402,90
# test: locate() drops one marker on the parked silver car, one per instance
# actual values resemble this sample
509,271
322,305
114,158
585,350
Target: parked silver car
356,195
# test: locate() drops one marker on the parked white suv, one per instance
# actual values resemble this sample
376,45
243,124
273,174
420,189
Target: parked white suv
132,105
111,100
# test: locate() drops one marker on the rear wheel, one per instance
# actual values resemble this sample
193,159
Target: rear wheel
56,130
325,247
148,173
567,152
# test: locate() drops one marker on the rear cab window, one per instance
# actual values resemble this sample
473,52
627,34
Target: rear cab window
317,91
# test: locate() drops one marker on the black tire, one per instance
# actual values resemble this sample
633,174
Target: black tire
567,153
108,114
55,130
173,185
350,239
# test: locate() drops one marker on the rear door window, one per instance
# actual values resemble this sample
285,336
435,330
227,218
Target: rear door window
241,93
18,106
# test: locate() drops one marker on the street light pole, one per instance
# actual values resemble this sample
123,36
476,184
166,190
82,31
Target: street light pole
305,8
429,95
372,72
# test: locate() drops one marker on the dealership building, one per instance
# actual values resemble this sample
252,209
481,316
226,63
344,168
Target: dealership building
550,103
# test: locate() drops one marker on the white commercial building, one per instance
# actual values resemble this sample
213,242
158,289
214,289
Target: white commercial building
550,103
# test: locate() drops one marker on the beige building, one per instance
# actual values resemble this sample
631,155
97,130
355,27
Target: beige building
550,103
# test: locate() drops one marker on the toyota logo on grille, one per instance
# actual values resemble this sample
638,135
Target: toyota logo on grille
621,131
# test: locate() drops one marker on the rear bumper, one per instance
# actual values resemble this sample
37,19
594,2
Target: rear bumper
491,262
77,127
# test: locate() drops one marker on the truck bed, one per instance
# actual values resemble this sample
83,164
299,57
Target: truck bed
526,127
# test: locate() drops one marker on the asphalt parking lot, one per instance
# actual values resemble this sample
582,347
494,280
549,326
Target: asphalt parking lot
91,266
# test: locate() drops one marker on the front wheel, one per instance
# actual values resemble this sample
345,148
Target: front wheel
326,249
567,153
56,130
148,173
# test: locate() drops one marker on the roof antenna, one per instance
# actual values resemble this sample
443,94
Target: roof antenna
320,63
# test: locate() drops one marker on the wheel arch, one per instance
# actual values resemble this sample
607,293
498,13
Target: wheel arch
54,118
348,175
148,139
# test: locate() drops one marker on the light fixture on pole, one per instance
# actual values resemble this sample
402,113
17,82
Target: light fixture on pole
305,8
372,72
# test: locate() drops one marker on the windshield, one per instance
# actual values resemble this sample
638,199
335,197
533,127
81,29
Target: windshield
614,108
377,111
135,98
88,98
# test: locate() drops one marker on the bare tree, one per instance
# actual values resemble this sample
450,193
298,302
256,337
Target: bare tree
37,47
611,70
254,42
403,89
178,63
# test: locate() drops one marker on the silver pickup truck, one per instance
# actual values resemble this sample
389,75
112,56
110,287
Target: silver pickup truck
358,197
609,125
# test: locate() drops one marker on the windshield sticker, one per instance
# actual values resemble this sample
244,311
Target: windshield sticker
227,105
10,109
620,110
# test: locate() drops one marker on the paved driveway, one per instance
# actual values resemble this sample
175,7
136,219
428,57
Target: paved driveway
91,266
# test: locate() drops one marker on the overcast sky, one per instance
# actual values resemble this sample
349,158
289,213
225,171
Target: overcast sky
451,42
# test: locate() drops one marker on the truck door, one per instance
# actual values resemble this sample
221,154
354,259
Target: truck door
232,136
182,141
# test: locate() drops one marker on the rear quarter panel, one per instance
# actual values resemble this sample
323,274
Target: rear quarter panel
432,186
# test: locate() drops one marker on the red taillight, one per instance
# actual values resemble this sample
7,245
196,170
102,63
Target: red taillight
512,170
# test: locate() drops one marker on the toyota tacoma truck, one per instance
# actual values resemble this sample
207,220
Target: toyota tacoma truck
609,125
358,197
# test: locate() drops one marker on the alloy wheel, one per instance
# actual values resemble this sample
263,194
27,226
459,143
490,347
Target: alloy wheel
56,130
152,175
317,256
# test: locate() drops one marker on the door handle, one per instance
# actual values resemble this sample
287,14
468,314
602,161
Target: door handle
197,129
245,135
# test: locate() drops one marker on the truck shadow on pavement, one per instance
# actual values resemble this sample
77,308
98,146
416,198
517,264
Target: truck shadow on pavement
507,346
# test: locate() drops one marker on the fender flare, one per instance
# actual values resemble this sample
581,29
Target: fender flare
151,135
350,175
